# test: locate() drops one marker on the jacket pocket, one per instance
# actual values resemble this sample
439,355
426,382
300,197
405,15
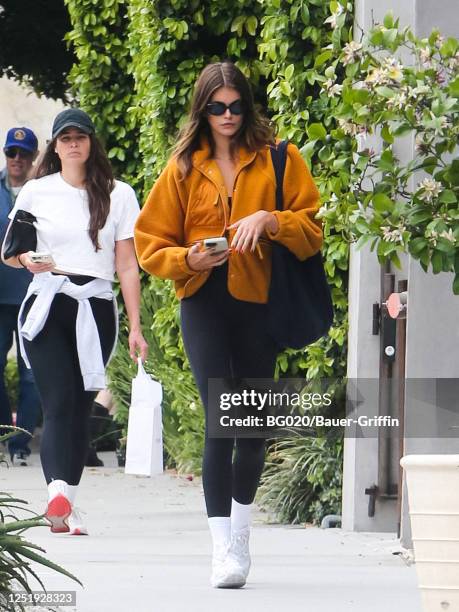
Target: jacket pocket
206,208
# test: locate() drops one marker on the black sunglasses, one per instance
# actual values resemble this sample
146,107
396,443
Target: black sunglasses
11,152
219,108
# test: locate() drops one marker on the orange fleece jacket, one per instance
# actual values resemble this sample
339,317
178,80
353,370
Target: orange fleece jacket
177,213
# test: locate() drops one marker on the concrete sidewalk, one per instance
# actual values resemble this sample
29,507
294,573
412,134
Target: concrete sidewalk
149,551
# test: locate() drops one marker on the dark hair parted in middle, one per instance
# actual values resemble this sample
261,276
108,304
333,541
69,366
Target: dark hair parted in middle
256,130
99,182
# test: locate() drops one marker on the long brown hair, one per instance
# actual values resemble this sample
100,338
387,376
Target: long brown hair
255,132
99,182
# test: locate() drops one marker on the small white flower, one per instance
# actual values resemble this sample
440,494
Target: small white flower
425,57
432,236
448,235
393,68
398,101
438,124
453,62
351,52
350,128
331,88
392,235
332,20
420,145
335,90
378,76
431,189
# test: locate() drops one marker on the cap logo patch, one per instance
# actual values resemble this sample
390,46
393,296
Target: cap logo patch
19,135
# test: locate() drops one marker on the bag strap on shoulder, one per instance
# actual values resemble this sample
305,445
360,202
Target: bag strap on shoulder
279,158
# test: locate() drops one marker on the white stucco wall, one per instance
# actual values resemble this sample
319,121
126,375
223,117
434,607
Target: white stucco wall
432,340
19,106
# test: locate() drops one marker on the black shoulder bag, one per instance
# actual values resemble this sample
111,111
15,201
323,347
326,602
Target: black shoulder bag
21,235
300,308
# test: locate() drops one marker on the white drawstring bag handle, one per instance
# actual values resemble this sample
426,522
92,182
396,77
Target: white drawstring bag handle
140,368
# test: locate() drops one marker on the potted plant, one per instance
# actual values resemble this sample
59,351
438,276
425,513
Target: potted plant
433,495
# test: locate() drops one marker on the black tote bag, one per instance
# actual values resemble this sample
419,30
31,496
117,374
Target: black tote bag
300,308
21,235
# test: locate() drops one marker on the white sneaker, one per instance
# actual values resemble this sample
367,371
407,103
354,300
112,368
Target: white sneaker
239,550
19,458
226,574
76,525
59,507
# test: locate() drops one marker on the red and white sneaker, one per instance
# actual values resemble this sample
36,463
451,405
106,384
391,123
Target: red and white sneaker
59,507
76,525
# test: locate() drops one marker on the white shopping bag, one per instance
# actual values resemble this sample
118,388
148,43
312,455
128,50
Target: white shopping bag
144,448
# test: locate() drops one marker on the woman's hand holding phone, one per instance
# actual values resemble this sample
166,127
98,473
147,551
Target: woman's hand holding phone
200,260
36,267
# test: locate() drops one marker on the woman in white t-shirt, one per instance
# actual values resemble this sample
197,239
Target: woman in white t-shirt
68,320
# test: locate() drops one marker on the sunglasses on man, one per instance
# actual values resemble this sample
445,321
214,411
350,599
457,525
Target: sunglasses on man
12,152
220,108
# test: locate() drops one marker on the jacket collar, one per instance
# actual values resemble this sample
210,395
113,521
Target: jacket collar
202,161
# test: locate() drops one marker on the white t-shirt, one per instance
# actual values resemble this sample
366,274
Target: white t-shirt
63,221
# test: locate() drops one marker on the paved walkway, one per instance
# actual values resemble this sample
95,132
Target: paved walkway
149,551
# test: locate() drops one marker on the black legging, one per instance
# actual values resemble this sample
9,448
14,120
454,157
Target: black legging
66,405
227,338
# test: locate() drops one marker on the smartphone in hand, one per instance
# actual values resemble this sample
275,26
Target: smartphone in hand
46,258
217,244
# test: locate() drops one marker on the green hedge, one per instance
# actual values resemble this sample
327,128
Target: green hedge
102,80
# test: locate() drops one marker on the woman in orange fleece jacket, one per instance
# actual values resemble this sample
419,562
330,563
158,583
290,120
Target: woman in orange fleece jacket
220,182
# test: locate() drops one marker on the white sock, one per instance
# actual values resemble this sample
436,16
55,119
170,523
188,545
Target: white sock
240,515
57,487
220,530
72,491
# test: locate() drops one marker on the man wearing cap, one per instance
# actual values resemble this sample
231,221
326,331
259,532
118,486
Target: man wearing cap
20,151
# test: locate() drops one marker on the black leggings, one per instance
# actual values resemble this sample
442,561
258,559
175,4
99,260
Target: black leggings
66,405
227,338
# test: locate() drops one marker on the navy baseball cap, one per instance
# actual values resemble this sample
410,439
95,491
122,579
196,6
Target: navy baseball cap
21,137
72,117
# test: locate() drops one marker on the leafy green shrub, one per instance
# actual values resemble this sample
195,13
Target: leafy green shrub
387,203
302,479
102,80
170,43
